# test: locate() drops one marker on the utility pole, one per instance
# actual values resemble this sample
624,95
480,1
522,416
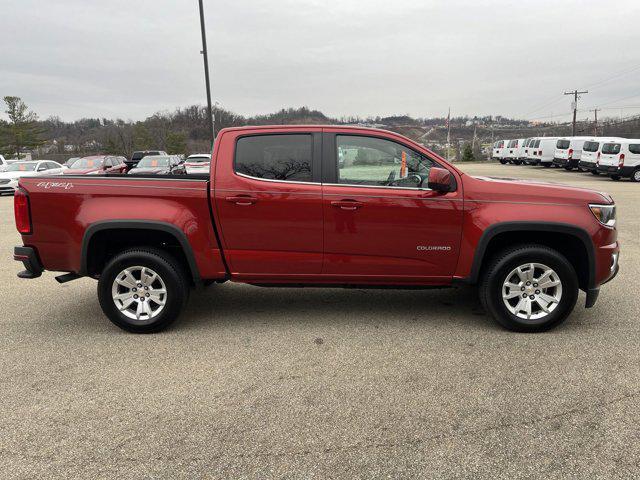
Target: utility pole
595,121
206,73
575,94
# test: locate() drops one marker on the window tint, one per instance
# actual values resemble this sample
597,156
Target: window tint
275,157
374,161
590,146
563,144
634,148
537,144
611,148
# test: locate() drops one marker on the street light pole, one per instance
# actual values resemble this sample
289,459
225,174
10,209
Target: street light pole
206,73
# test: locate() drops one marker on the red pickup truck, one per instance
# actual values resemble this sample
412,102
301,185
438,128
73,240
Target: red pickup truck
319,206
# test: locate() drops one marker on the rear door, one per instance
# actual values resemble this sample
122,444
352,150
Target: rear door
382,223
268,202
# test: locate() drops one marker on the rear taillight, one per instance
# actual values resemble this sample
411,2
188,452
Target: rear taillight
570,152
22,211
539,152
621,160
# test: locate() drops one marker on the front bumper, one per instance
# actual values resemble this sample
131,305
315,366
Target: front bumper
9,187
29,258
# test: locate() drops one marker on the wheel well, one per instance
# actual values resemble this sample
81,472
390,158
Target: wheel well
568,245
105,244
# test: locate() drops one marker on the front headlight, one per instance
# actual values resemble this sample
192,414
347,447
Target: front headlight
605,214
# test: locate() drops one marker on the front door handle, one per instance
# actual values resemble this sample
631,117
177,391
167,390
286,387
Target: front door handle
347,204
243,200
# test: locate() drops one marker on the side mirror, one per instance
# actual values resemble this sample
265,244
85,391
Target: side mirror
439,179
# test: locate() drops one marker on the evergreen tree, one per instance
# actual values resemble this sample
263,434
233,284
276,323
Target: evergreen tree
22,130
176,143
467,153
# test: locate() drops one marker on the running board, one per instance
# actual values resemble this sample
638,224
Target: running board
67,277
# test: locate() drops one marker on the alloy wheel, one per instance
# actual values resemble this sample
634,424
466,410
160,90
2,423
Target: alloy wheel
532,291
139,293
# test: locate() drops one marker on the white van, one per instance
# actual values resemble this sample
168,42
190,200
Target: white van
620,158
511,153
498,150
591,152
524,149
543,151
568,151
531,152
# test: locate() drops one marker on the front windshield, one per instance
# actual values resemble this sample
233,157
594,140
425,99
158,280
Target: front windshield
153,162
22,167
87,163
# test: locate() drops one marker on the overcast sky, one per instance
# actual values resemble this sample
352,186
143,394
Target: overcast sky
131,58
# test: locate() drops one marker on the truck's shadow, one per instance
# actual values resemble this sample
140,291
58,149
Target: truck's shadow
243,304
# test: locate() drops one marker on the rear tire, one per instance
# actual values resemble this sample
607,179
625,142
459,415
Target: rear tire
517,162
143,290
594,172
568,169
546,307
635,176
503,162
615,177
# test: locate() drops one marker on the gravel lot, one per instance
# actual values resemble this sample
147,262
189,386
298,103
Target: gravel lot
319,383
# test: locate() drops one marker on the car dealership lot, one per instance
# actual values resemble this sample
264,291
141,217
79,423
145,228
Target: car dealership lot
321,382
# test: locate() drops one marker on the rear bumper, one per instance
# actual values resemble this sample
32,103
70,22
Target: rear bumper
565,162
32,266
615,170
590,166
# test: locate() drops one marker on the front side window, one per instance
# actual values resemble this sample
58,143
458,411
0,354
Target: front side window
611,148
275,157
378,162
634,148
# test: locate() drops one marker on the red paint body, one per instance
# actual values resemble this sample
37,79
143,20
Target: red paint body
285,232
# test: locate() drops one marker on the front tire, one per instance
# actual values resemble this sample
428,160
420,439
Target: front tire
635,176
529,288
143,290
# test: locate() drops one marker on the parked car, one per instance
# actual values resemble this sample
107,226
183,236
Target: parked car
498,150
71,161
198,163
97,164
139,155
568,151
620,159
159,165
278,210
591,151
512,151
9,179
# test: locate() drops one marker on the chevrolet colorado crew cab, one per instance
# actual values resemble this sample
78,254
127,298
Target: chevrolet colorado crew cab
325,207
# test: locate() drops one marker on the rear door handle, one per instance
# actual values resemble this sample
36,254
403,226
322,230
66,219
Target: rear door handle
243,200
347,204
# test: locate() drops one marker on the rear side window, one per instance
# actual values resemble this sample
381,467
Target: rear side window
563,144
590,146
536,144
513,143
611,148
275,157
634,148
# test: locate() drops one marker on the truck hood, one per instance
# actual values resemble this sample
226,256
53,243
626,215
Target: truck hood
530,191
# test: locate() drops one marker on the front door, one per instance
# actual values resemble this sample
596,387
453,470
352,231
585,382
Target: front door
382,223
268,200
